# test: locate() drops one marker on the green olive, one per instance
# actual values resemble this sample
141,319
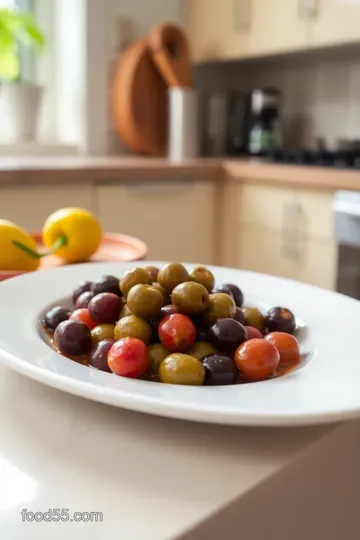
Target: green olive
200,349
202,275
171,275
153,272
133,277
166,295
125,311
132,326
254,318
101,332
178,368
220,306
145,301
190,297
157,353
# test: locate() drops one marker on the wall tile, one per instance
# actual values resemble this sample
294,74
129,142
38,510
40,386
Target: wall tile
321,94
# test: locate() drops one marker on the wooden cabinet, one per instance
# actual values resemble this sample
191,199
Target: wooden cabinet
245,28
335,22
280,231
221,30
218,30
293,211
265,228
311,261
175,219
277,26
30,205
262,250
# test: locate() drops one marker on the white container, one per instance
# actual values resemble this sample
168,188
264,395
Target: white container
183,124
19,112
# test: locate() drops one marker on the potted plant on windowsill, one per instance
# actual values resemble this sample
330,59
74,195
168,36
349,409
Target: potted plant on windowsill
19,99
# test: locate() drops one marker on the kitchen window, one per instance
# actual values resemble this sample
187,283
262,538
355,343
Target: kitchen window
27,60
44,70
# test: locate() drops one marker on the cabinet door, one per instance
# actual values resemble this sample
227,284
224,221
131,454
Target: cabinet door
266,251
29,206
217,29
314,216
318,263
278,26
263,205
280,231
175,219
308,213
336,22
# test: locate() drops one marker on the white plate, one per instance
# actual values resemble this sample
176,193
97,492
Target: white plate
326,389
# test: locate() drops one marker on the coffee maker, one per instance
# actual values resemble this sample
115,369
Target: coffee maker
222,123
262,121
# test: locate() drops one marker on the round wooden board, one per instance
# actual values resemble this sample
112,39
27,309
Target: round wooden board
140,102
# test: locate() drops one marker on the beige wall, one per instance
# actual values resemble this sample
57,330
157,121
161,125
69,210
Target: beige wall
100,32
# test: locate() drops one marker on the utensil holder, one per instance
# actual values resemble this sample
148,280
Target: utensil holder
183,124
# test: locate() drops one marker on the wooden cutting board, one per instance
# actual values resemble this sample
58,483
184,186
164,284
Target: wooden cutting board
139,102
171,54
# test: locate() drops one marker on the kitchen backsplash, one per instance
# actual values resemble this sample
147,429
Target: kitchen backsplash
321,93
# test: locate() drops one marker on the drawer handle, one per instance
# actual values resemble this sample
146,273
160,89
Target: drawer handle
291,231
241,14
308,9
285,232
298,229
312,8
300,219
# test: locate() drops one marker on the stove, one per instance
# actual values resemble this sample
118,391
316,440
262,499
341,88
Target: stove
342,159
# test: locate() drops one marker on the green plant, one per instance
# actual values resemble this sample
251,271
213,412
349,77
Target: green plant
16,27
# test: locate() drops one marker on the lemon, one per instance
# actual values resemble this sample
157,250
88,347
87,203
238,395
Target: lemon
73,234
11,257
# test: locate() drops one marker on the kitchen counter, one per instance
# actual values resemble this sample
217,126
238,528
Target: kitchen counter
159,479
296,175
92,169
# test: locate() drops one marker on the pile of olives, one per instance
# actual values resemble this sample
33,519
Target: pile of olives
172,326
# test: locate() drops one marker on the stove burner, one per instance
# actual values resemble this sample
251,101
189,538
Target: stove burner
321,158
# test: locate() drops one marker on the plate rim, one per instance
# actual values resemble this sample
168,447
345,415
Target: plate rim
146,404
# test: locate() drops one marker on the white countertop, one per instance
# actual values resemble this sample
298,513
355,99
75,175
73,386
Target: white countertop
50,170
151,478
